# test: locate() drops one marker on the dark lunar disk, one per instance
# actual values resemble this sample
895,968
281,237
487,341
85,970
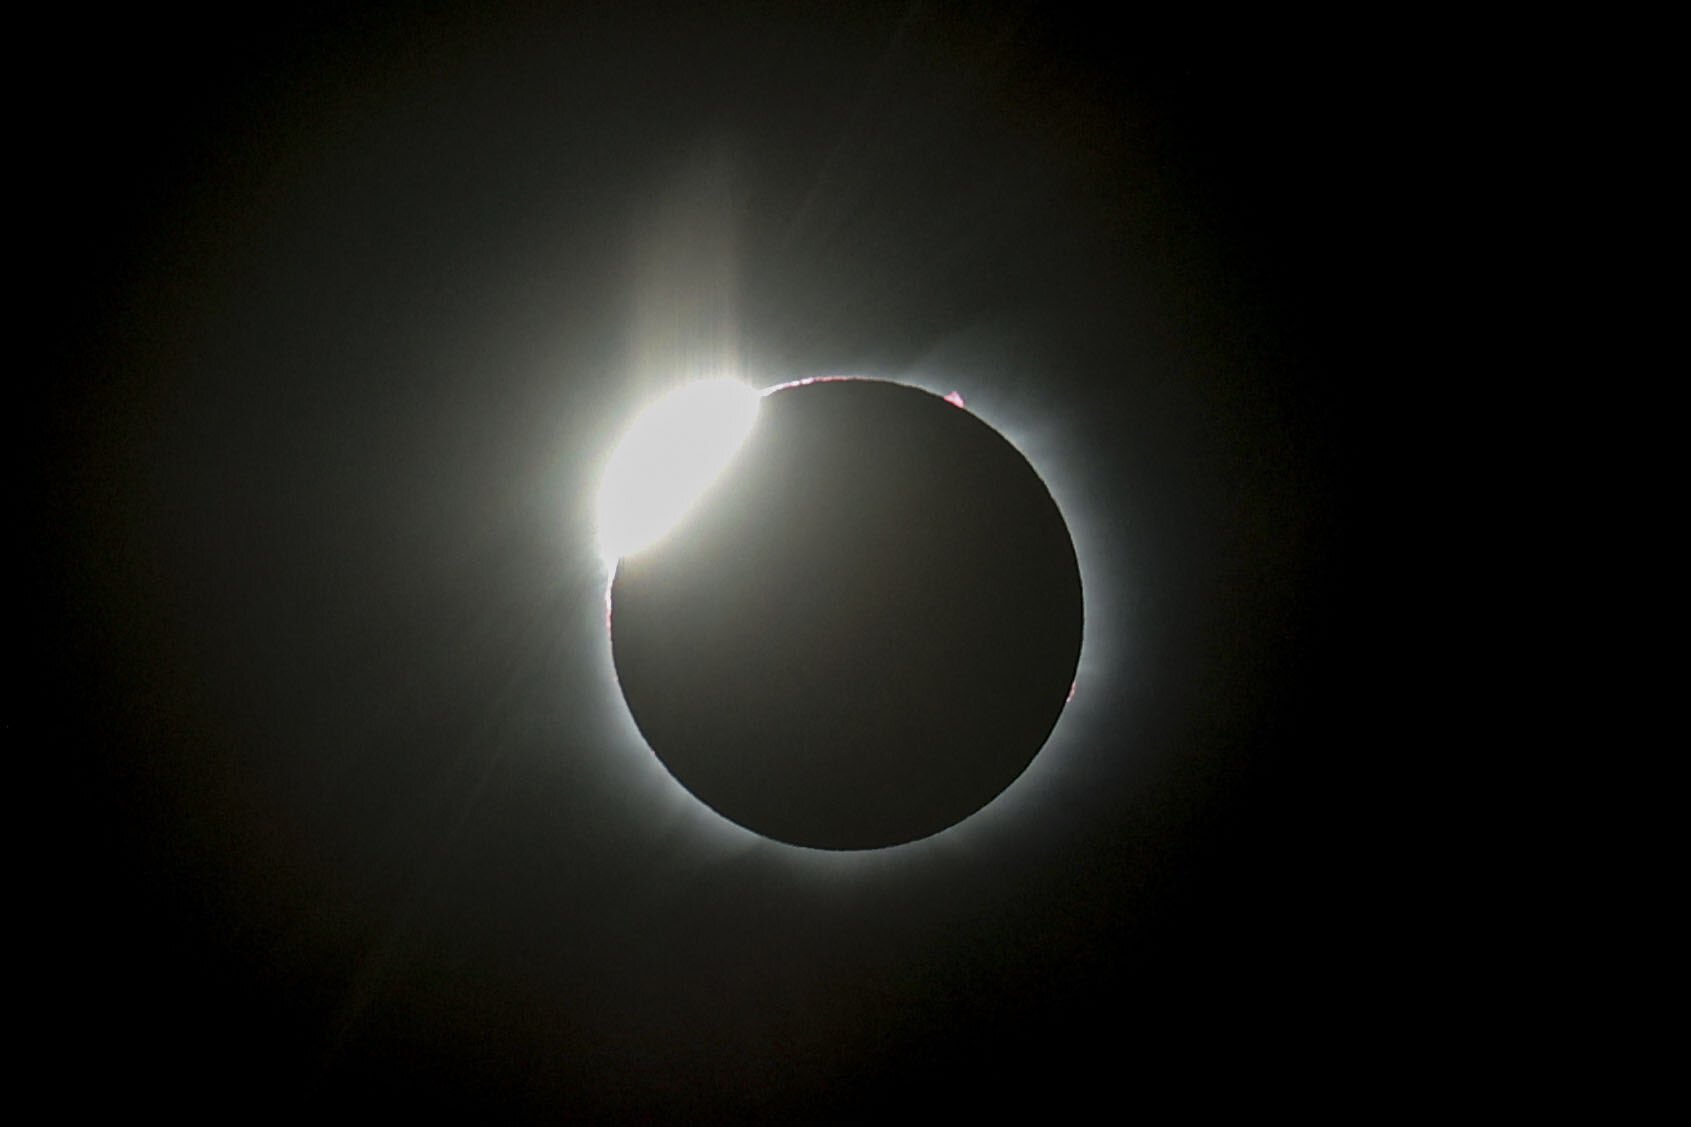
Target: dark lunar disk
867,629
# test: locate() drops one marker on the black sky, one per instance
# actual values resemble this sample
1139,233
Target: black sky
348,306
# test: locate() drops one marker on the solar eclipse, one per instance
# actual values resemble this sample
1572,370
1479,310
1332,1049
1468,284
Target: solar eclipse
864,619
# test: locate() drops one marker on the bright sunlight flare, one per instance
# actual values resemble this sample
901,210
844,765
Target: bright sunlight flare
671,455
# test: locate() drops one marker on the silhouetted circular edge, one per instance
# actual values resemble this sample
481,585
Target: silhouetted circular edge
693,732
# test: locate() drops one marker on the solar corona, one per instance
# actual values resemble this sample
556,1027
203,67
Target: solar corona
845,613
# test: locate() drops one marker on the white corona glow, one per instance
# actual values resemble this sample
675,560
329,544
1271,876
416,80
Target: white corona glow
668,459
1059,774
